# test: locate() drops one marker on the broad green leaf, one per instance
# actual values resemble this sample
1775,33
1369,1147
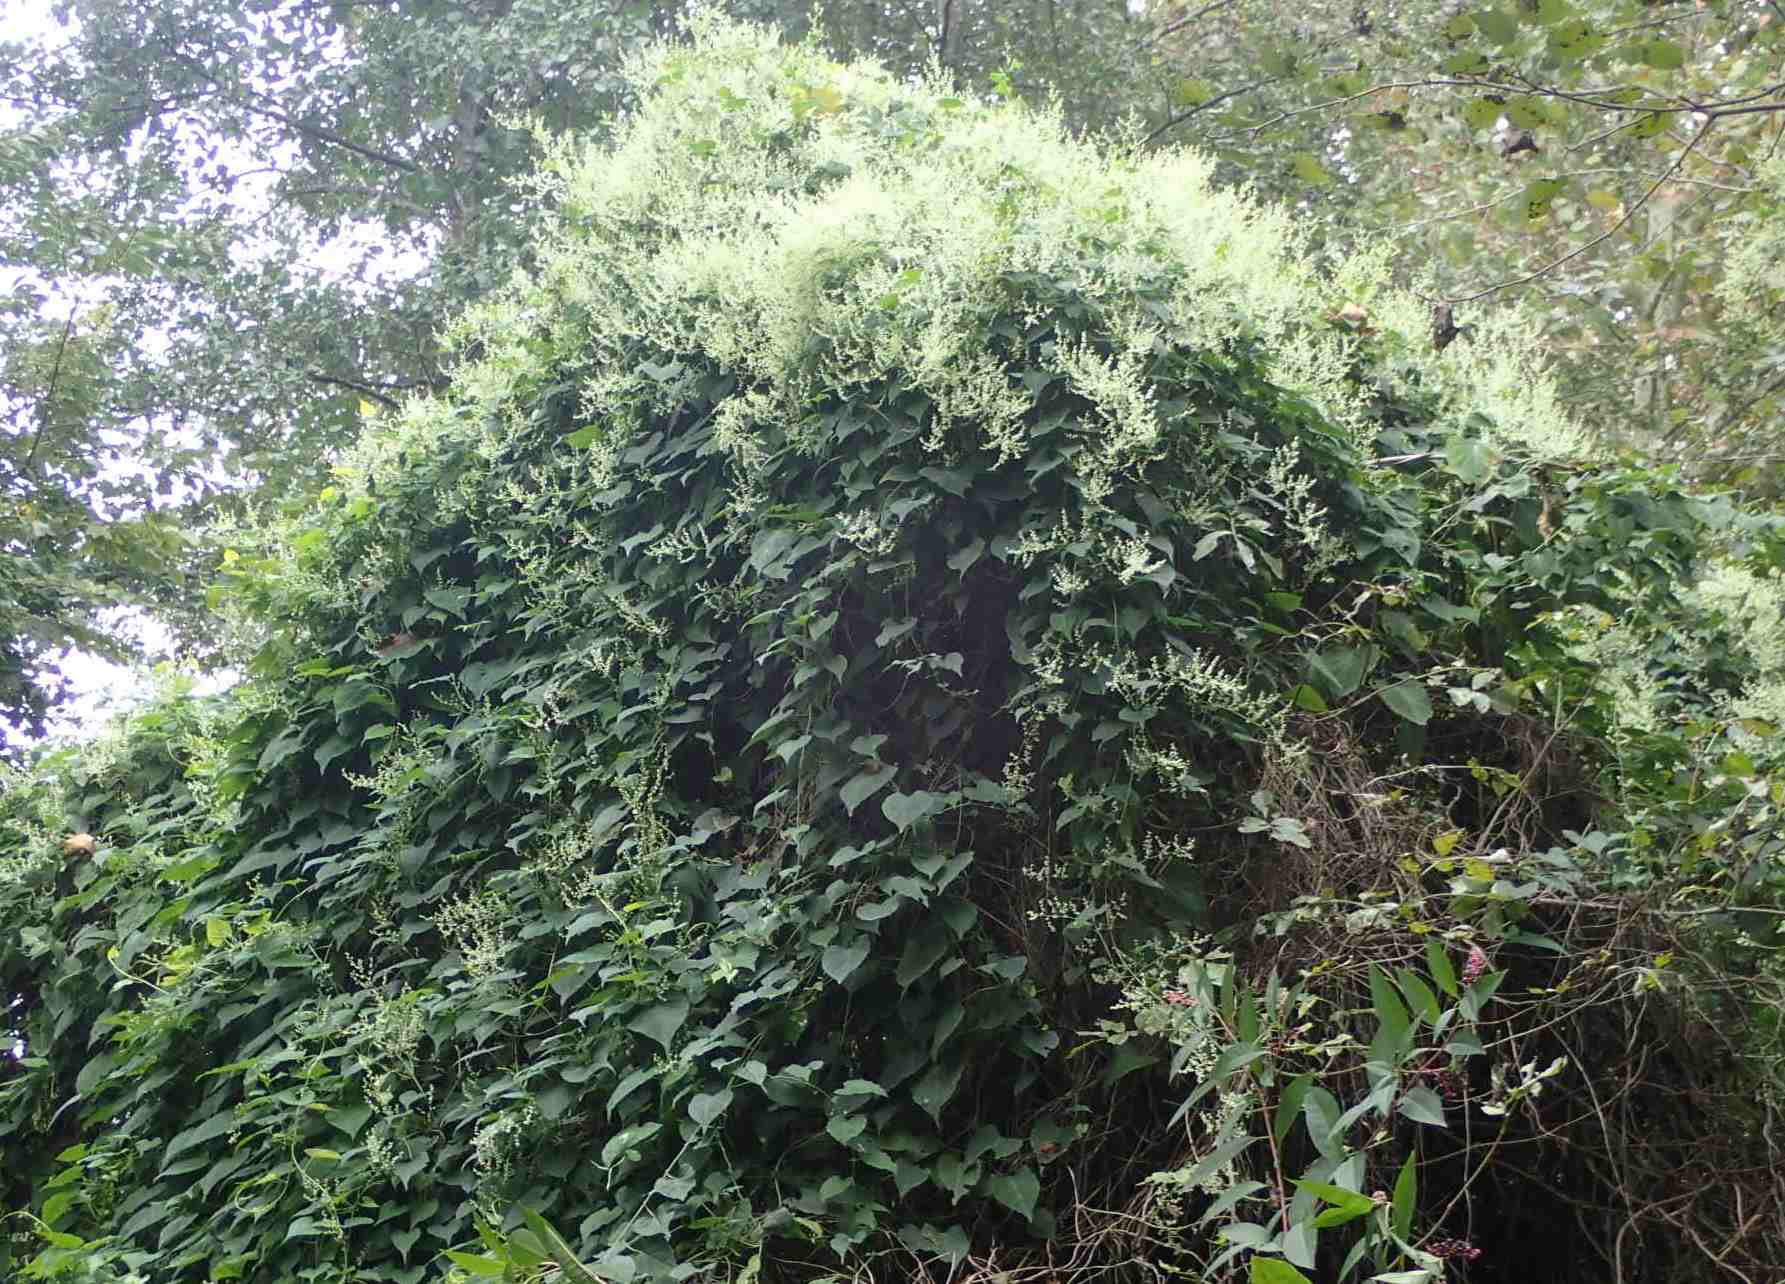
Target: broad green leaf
487,1267
859,788
1342,669
1438,961
1499,26
1468,63
1330,1217
1406,1196
906,810
846,1128
615,1270
215,1126
963,561
1390,1011
660,1022
1247,1234
1321,1109
1419,996
1299,1242
1306,697
1409,699
1017,1191
894,630
1482,113
1289,1105
1337,1196
1422,1105
840,961
934,1089
1470,459
705,1107
56,1205
1529,113
187,871
626,1139
923,951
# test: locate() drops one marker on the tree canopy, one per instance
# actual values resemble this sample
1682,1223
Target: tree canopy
932,696
231,229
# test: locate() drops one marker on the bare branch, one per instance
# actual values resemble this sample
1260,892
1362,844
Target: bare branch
379,392
1178,24
261,105
1181,117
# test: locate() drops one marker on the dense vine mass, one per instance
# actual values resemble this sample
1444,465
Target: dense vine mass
935,700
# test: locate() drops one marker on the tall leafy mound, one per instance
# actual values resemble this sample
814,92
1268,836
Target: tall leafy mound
910,708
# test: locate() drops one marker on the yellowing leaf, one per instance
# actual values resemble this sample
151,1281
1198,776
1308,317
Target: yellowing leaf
1526,113
1444,844
217,930
1191,92
1663,55
1479,870
367,409
1481,113
1310,170
1540,196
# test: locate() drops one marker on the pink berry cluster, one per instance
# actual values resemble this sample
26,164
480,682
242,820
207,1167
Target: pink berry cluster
1448,1249
1436,1070
1475,966
1179,999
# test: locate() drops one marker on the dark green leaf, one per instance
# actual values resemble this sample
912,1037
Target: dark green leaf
1409,699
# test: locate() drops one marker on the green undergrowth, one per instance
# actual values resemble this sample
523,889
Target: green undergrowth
933,702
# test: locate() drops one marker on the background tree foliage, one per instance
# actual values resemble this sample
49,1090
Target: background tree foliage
930,699
231,228
1601,165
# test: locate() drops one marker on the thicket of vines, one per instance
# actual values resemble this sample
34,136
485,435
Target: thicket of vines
933,701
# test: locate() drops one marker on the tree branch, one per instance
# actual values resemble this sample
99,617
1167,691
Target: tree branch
49,395
1178,24
1179,119
379,392
260,105
1617,227
1588,99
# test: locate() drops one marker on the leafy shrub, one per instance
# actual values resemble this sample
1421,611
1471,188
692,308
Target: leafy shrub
933,696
